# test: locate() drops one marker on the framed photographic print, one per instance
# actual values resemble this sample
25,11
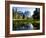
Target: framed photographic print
24,18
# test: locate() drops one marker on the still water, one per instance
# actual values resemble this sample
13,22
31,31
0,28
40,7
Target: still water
23,26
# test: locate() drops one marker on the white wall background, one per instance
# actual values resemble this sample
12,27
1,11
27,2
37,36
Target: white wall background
2,19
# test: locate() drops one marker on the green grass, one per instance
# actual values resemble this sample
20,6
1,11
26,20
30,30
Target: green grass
28,21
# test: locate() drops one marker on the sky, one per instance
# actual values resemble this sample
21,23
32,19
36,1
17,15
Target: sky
23,9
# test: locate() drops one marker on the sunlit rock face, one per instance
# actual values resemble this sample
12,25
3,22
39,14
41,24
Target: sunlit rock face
26,11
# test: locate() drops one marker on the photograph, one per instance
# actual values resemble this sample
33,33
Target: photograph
25,18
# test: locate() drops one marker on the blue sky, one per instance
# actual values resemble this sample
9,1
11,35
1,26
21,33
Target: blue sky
23,9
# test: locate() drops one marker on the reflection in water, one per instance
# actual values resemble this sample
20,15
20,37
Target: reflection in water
25,26
22,26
